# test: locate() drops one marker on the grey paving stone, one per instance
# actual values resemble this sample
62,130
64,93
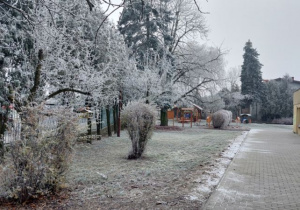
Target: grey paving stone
265,174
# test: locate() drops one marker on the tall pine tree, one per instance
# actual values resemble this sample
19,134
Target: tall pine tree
144,25
251,76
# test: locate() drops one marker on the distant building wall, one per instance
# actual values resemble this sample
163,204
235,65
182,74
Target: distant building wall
296,116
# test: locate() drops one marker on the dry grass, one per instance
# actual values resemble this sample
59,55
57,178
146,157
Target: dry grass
102,177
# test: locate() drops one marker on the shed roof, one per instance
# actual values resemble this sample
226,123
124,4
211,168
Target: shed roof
198,107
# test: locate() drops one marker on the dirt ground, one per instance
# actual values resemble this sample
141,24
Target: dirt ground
101,177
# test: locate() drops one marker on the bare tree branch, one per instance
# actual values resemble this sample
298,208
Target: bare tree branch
66,90
91,6
205,80
118,7
20,11
195,1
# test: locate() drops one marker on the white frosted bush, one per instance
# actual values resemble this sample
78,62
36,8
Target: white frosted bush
221,118
139,120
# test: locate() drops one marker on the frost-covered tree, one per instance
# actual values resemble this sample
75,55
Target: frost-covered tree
212,103
163,29
233,78
187,23
199,70
73,58
232,99
278,99
144,25
59,52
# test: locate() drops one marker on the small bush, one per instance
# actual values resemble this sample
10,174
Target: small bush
284,121
35,164
139,119
221,118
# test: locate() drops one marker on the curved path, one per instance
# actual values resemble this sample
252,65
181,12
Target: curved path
265,173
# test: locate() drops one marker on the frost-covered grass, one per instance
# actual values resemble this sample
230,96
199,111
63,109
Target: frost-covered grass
101,175
268,126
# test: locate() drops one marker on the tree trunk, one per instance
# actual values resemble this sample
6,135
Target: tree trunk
2,129
115,111
164,117
256,111
119,115
147,96
98,124
135,154
3,121
89,129
37,76
108,122
101,116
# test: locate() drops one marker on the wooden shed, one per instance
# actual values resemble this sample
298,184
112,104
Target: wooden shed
296,117
197,113
186,114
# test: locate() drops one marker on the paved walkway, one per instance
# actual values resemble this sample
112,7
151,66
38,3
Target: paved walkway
265,173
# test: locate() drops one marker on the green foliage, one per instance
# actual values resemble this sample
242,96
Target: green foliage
139,119
36,163
251,76
145,27
278,100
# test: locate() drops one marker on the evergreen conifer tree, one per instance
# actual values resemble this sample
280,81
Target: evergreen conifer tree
251,76
144,25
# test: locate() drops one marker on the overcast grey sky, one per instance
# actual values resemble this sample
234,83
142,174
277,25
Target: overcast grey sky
273,26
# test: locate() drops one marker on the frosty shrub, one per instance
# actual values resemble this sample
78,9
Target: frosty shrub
284,121
36,163
221,118
139,119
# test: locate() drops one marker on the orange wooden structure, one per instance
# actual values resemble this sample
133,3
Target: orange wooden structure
171,115
197,113
186,115
208,120
238,120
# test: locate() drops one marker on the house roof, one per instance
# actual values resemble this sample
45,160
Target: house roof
198,107
292,80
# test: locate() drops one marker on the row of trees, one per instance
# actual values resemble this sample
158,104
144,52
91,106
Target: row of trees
67,50
175,68
268,100
275,97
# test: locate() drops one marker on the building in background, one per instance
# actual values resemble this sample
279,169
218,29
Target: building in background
296,116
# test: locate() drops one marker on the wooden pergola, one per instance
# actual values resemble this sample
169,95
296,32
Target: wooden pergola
186,115
197,112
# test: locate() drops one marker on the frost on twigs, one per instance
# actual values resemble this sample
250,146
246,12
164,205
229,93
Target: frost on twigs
37,161
139,119
221,118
